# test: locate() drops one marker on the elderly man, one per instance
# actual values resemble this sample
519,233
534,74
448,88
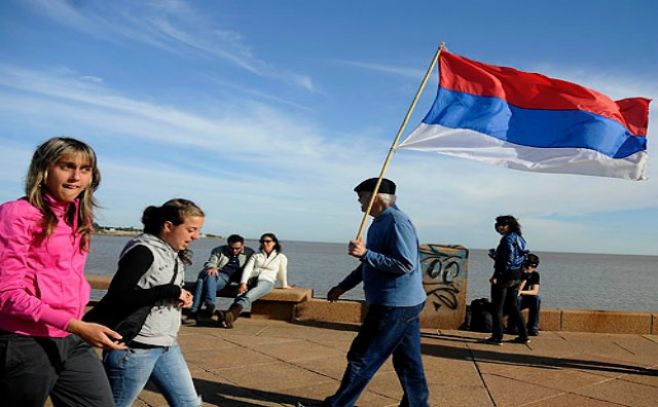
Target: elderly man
223,267
392,281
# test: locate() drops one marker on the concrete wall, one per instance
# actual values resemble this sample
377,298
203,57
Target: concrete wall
445,269
445,272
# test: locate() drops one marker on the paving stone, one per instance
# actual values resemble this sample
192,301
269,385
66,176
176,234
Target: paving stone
571,400
510,392
622,392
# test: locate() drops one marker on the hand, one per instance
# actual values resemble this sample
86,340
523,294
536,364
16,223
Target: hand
185,299
212,271
243,288
96,335
493,280
334,294
356,248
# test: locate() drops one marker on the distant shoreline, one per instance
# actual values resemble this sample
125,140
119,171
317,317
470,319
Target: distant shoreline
135,232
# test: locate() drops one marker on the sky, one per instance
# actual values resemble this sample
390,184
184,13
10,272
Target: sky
268,113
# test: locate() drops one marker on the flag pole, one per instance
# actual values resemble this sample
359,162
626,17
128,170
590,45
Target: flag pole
397,138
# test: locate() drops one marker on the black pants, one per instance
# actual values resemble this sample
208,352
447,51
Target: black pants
66,369
504,298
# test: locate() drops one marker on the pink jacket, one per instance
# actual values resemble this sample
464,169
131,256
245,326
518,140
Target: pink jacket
42,286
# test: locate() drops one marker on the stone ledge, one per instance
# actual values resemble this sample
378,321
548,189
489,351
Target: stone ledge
550,319
322,310
627,322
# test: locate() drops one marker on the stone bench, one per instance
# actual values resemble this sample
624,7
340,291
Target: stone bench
278,304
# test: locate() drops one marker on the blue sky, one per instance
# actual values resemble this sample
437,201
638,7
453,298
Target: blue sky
268,113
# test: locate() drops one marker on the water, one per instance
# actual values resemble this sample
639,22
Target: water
568,280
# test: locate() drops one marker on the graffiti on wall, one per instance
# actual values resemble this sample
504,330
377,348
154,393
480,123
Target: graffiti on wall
444,274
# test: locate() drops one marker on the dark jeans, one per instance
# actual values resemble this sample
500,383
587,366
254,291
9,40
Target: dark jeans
67,369
385,331
533,303
504,298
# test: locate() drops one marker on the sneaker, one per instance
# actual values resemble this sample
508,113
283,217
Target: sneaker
492,341
520,339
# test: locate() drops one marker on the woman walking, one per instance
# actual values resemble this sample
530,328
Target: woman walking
44,242
151,273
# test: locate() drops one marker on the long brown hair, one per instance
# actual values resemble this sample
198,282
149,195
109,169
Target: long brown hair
45,156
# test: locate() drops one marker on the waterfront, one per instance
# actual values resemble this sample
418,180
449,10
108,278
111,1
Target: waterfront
569,280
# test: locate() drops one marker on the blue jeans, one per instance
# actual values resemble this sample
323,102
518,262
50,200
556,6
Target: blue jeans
206,288
385,331
129,370
261,288
533,303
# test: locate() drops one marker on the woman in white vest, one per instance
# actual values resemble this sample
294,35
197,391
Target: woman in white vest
151,273
259,277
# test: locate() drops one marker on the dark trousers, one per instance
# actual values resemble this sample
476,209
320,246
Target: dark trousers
533,304
385,331
503,298
66,369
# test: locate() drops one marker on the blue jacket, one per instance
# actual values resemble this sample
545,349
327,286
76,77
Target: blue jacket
510,254
390,268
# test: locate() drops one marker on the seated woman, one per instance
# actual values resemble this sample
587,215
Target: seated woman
258,278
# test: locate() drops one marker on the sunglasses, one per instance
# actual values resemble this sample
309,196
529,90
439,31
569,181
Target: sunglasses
532,265
267,241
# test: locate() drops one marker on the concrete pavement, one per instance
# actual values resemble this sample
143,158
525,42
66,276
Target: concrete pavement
276,363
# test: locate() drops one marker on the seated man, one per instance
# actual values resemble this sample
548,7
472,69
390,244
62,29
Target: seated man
224,266
529,293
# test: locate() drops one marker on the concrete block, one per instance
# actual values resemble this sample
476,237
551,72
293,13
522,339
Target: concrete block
606,321
550,319
445,270
325,311
295,294
264,309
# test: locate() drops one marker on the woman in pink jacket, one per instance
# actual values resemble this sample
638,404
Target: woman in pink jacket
44,241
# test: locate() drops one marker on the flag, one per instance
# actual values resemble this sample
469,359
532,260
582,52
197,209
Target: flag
528,121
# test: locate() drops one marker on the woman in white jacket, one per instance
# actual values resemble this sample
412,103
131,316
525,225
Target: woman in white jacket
260,274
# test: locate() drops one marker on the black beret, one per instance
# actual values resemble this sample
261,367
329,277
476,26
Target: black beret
386,187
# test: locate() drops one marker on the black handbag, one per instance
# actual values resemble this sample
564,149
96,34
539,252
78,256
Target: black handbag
131,324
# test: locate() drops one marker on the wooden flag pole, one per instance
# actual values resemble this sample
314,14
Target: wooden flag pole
397,138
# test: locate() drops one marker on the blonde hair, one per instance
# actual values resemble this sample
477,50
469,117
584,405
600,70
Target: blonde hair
45,156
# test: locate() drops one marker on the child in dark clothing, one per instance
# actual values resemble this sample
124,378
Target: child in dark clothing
529,293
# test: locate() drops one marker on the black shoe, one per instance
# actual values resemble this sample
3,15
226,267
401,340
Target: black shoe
210,309
520,339
492,341
191,319
533,333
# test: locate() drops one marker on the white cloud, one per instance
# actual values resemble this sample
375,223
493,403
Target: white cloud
172,26
387,69
287,174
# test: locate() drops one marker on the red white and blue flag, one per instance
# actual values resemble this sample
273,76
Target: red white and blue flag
528,121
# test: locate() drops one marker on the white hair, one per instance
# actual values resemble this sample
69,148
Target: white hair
386,199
